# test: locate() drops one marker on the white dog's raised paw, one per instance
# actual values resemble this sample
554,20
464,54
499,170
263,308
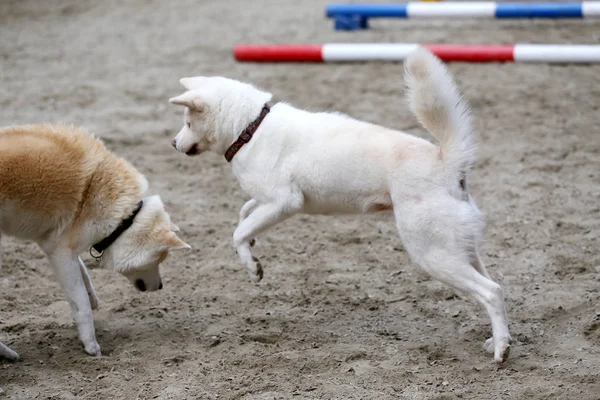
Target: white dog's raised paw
255,271
93,349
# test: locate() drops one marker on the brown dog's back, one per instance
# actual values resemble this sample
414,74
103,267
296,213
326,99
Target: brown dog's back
42,168
58,177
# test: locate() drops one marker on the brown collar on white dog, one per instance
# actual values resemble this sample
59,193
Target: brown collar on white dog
246,134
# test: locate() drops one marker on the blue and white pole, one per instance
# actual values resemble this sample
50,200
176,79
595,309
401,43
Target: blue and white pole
355,16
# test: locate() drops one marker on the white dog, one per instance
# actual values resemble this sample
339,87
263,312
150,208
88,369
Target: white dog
291,161
60,187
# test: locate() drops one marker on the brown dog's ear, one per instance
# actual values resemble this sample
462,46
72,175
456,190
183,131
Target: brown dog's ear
189,99
172,242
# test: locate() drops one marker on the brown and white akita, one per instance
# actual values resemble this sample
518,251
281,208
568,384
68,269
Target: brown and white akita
60,187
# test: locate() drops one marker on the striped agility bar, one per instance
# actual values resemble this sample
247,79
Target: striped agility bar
362,52
355,16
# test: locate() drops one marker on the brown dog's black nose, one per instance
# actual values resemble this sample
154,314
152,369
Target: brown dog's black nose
174,143
160,285
140,285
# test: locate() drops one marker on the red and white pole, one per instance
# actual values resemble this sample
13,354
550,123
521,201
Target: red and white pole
361,52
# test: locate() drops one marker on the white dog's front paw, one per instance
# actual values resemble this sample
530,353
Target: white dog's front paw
93,349
255,270
501,350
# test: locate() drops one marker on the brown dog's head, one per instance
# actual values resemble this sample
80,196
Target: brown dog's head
139,251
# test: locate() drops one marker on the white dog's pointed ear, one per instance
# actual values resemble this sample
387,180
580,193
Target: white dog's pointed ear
174,228
192,83
188,99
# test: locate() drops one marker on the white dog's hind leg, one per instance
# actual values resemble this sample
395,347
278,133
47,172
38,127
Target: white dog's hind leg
87,281
8,353
476,262
433,246
456,272
262,218
68,272
246,209
478,265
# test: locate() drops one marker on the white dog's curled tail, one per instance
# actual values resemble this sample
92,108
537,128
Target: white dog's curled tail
441,109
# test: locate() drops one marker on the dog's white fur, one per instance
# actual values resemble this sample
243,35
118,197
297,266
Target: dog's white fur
322,163
61,188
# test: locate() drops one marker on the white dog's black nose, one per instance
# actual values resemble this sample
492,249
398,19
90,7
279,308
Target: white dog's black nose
174,143
160,285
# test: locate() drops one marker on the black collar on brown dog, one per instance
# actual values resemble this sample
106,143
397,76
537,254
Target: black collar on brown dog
110,239
246,135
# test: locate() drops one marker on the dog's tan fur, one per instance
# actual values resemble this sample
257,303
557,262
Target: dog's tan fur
81,180
60,187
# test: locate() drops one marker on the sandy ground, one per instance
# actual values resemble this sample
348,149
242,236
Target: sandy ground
341,313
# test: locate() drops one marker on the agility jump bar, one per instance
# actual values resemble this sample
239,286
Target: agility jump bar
355,16
362,52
